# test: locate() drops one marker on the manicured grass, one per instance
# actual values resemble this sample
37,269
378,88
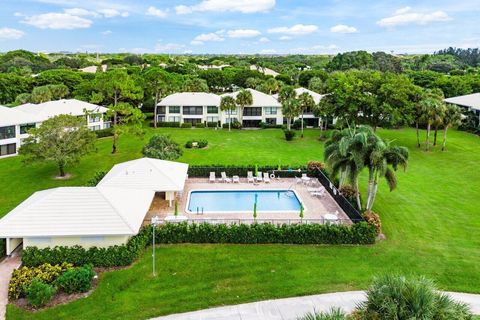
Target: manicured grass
431,222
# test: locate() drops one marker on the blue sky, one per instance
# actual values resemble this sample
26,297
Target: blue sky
238,26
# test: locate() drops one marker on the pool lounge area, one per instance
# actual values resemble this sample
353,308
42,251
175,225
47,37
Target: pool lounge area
277,202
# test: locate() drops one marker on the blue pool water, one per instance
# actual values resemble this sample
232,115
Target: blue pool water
225,201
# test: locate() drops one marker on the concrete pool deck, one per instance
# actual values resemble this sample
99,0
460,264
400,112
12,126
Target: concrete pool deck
316,208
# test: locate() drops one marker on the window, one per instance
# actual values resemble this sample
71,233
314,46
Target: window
7,132
174,119
7,149
96,127
94,118
160,118
212,119
271,121
161,110
252,111
232,120
193,110
25,127
212,109
271,110
174,109
192,121
107,125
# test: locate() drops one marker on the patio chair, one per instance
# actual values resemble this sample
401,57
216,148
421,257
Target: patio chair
250,177
266,177
212,177
236,179
298,180
259,177
319,194
225,178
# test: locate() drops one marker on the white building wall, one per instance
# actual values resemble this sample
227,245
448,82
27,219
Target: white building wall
86,241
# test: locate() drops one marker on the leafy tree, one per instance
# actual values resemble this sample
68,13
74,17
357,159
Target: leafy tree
59,91
386,63
133,59
228,104
11,85
216,79
452,117
351,60
195,85
125,119
158,84
41,94
253,82
69,78
162,147
305,77
114,86
63,139
317,84
453,86
22,99
244,98
305,102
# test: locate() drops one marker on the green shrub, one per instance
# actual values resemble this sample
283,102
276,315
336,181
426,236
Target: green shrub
108,132
235,125
3,247
265,125
76,280
162,147
96,178
373,219
200,125
169,124
45,272
289,134
397,297
204,170
333,314
186,125
297,124
39,293
200,144
212,124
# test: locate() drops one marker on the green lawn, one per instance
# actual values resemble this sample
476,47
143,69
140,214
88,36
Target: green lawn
431,222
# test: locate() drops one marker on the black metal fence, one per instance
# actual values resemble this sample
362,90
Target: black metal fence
346,206
271,221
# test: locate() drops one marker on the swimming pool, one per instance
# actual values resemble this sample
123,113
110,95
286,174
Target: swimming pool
242,201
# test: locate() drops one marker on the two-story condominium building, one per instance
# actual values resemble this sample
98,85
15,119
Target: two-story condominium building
13,128
15,122
190,107
264,108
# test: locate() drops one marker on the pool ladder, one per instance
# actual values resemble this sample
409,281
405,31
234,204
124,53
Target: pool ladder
198,210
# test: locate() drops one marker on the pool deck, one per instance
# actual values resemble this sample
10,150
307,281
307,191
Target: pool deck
316,207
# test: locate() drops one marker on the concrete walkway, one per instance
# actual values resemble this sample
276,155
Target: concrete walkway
292,308
6,268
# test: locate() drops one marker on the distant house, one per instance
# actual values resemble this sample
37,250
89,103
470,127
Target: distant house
211,66
16,121
93,69
265,71
102,216
470,102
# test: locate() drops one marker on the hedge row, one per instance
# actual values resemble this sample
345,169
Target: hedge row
108,132
204,170
360,233
3,248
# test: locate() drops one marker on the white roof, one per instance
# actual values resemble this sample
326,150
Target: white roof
11,116
298,91
260,99
470,100
46,110
265,71
191,99
78,211
93,69
147,174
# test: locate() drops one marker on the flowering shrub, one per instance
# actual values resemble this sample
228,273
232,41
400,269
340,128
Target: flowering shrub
373,219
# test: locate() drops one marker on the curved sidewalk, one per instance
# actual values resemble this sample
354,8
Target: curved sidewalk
292,308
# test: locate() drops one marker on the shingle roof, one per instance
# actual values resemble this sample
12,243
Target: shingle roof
191,99
260,99
147,174
469,100
78,211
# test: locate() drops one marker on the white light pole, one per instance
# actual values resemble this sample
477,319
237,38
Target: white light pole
154,226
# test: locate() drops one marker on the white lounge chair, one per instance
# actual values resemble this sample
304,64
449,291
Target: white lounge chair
236,179
259,176
225,178
319,194
250,177
266,177
298,180
212,177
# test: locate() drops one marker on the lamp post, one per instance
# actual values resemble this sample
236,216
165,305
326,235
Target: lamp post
154,226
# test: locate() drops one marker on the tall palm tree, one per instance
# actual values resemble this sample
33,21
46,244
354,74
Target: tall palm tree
452,117
244,98
290,110
227,104
432,111
305,102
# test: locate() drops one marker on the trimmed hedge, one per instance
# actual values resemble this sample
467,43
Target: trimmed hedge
169,124
200,125
212,124
359,233
265,125
202,143
186,125
204,170
102,133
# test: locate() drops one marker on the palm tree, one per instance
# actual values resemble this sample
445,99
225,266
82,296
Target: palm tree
305,102
451,118
244,98
286,92
432,111
290,110
227,103
271,85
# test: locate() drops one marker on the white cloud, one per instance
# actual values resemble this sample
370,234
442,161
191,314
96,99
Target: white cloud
406,16
342,28
317,49
243,6
111,13
168,47
107,32
285,38
206,37
298,29
152,11
243,33
57,21
264,40
81,12
10,34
